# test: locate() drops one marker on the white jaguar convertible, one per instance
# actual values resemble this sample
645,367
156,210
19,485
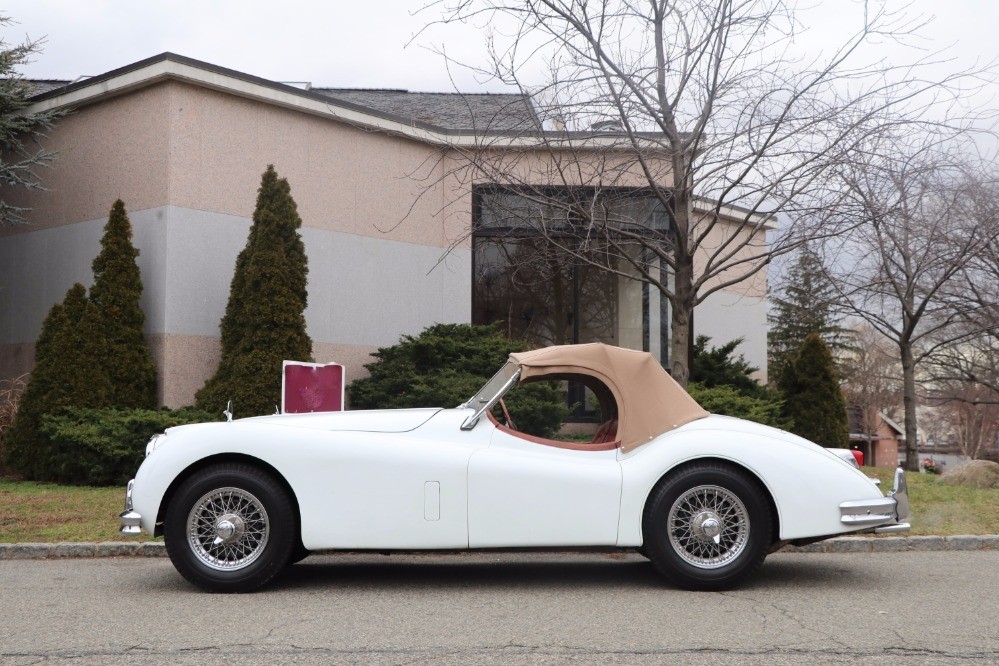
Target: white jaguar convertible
705,497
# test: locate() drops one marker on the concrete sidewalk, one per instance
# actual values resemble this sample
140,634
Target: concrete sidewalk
41,551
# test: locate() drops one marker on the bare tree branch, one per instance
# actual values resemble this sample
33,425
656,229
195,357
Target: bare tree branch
718,114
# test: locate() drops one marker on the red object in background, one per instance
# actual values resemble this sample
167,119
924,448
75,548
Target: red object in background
859,455
311,387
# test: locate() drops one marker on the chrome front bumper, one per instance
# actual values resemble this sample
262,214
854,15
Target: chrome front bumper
885,514
130,520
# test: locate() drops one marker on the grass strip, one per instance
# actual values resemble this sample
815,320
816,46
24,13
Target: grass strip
49,513
943,509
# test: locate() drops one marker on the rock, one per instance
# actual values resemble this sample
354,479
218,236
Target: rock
975,473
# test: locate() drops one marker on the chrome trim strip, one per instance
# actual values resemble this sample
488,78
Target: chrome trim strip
897,528
128,494
130,522
900,493
860,508
866,519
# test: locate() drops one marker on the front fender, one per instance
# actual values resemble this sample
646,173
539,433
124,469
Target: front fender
185,446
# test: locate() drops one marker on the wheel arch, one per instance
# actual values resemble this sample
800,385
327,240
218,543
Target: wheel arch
220,458
723,462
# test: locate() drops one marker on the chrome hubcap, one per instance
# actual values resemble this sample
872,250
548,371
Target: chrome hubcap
228,529
708,526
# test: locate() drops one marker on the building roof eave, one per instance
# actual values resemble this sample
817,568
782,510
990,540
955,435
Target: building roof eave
766,221
170,66
891,424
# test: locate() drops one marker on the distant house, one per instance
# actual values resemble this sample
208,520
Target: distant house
881,443
397,236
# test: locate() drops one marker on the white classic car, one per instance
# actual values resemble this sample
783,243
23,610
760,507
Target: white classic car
705,497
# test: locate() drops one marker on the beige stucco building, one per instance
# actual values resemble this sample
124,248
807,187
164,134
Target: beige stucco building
387,212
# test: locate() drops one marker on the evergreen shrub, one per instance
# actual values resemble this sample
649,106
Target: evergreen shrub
90,353
812,397
116,292
727,400
806,303
444,366
104,447
721,383
719,366
70,371
264,321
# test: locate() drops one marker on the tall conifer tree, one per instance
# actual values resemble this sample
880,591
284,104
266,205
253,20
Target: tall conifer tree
264,321
812,397
116,292
70,371
805,305
22,155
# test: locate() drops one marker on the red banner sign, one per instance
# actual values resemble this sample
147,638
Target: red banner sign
312,387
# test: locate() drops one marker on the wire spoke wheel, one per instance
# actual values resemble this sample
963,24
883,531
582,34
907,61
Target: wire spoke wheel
708,526
228,529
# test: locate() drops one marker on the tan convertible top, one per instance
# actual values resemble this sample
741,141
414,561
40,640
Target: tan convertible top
649,401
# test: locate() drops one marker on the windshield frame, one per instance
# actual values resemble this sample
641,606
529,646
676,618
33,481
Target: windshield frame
490,393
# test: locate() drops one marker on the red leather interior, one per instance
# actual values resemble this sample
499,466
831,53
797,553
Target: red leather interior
574,446
607,432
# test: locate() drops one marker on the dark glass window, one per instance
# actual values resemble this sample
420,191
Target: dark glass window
525,280
535,290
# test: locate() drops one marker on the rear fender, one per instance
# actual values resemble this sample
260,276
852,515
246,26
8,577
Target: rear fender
806,483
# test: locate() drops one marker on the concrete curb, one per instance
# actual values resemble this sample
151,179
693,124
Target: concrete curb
43,551
899,544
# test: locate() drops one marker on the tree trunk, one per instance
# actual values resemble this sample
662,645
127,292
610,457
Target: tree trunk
681,326
682,318
909,401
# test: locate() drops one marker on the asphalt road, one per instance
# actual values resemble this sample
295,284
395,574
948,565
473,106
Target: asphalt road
932,607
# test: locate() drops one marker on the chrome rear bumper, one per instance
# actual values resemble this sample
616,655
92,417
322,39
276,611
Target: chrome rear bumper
130,520
897,528
885,514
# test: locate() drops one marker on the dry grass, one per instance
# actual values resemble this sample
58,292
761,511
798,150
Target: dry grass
50,513
938,508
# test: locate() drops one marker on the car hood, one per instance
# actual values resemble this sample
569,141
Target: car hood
375,420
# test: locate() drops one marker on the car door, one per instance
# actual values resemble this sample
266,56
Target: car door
526,493
388,490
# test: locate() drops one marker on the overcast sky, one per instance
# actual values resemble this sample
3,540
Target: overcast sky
360,44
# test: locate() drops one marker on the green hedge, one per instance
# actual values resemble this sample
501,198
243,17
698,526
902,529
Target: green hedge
104,447
444,366
728,400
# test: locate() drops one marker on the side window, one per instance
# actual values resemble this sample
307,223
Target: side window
539,411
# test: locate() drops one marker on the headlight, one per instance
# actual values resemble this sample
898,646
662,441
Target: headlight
155,441
846,456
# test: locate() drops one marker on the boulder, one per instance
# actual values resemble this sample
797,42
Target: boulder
976,473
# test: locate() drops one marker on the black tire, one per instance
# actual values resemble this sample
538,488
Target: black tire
691,509
230,528
298,553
